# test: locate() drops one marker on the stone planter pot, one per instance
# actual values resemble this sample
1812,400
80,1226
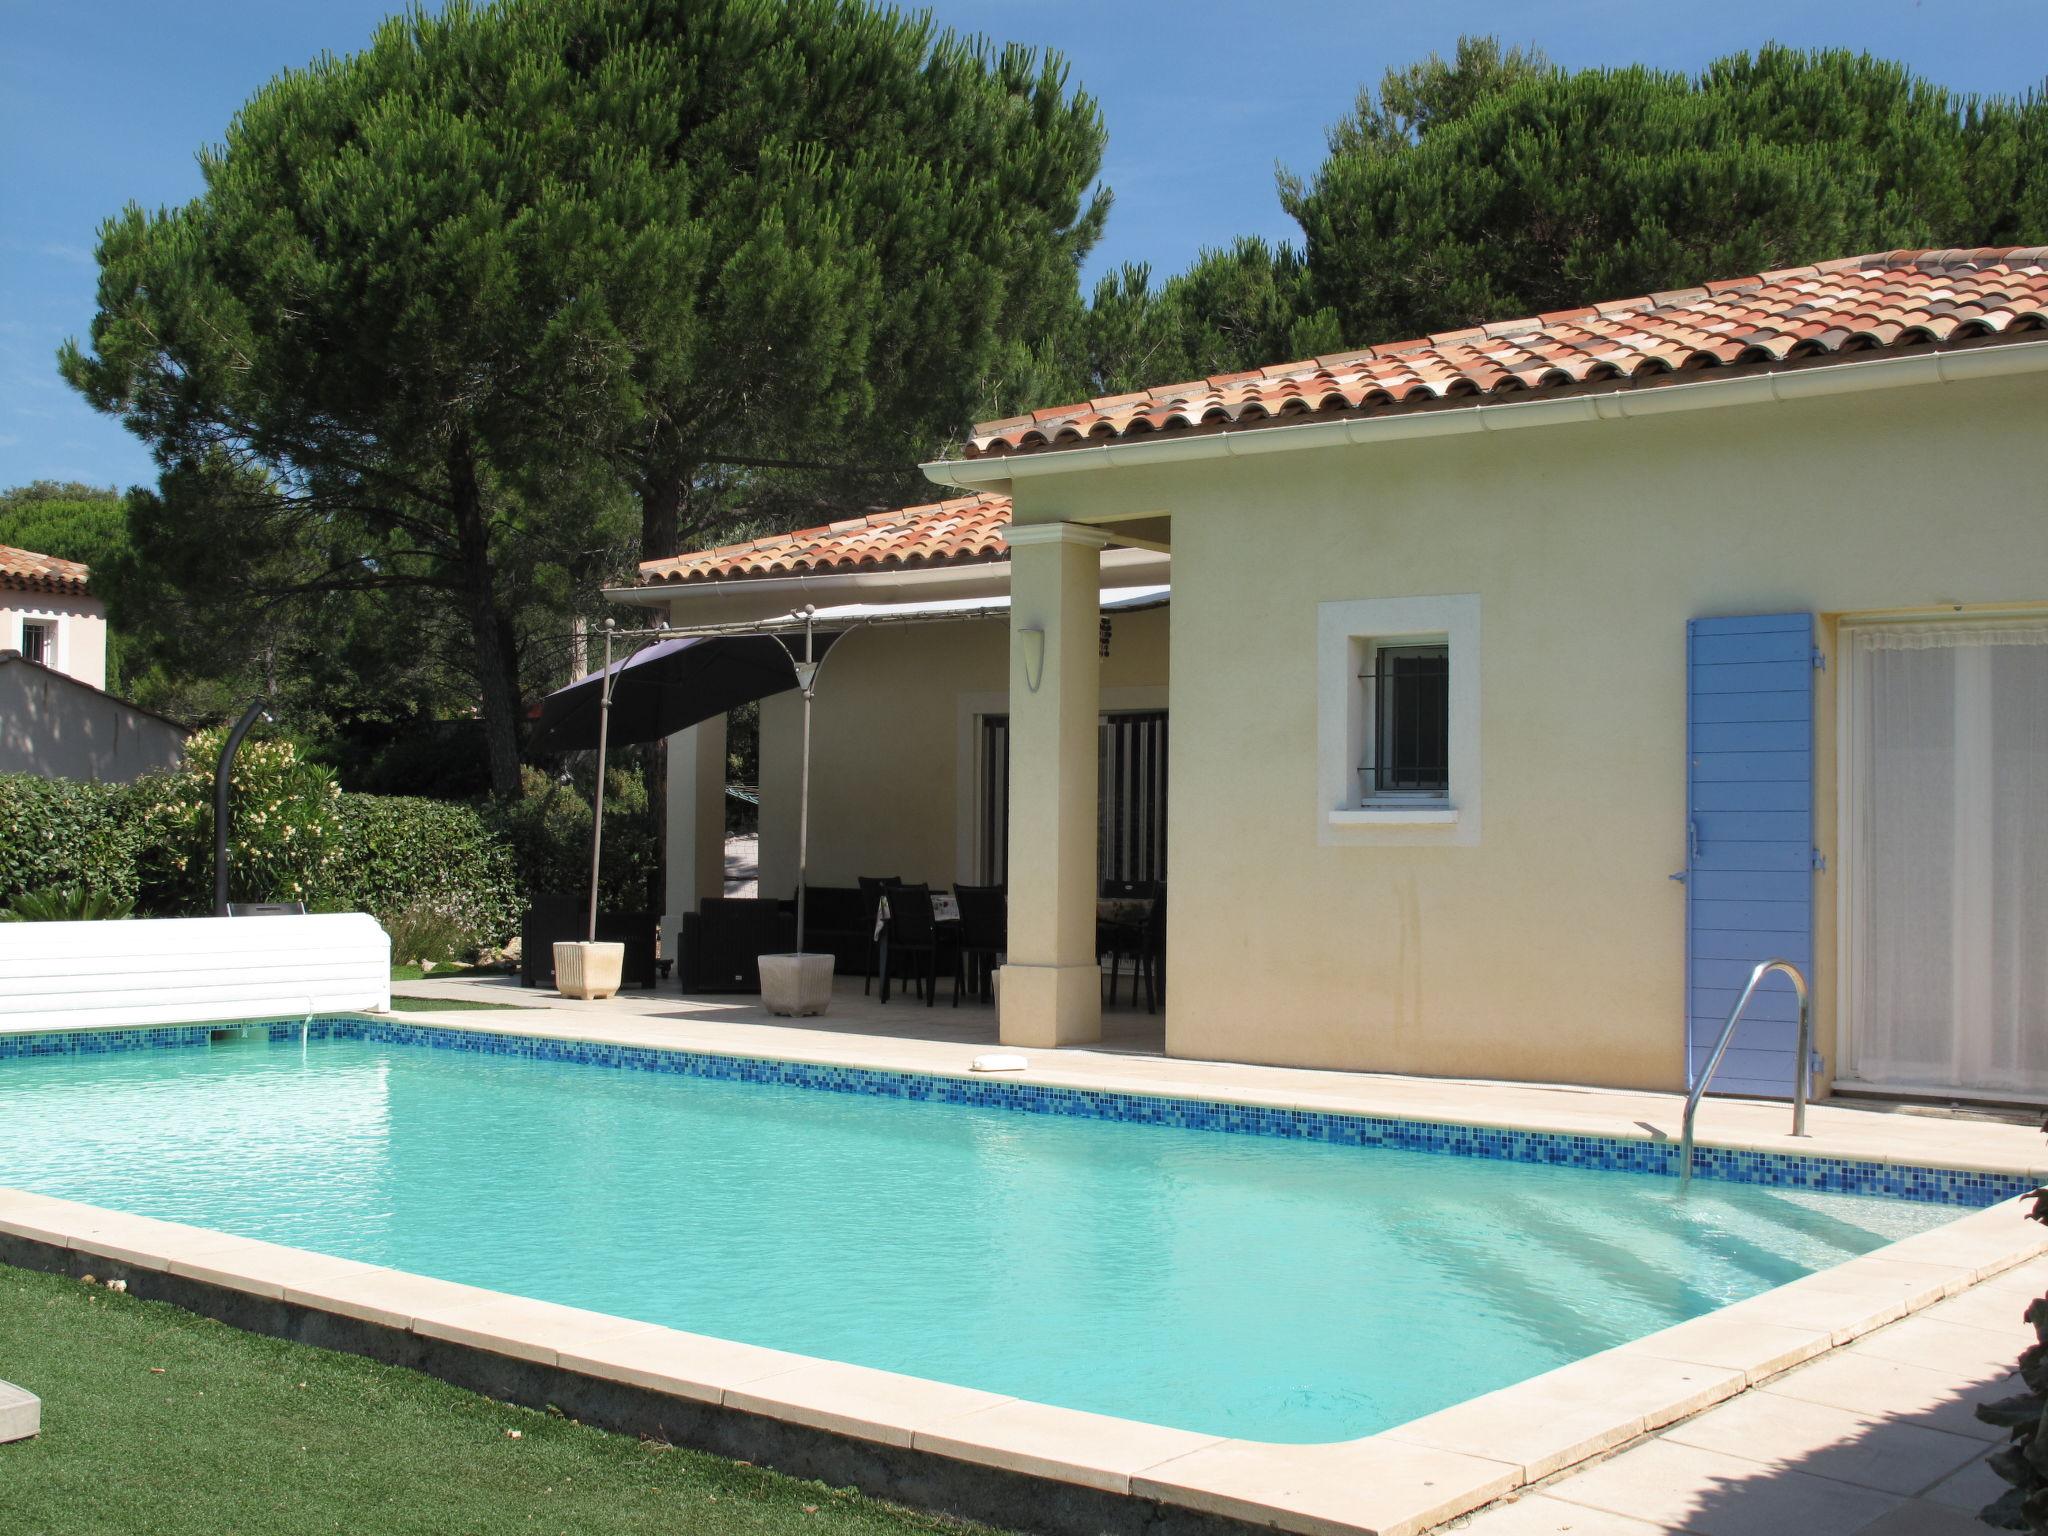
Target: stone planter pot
796,986
588,970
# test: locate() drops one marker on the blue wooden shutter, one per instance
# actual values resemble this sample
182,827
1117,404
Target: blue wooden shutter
1750,857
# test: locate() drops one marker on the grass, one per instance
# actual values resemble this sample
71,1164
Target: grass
159,1420
445,970
440,1004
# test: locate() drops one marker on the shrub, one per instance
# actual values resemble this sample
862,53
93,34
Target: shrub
65,904
2023,1460
397,855
425,931
282,826
61,832
548,828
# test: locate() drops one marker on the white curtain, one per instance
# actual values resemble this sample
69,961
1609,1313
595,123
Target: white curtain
1948,940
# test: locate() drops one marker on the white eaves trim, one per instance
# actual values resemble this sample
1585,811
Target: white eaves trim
1114,600
778,594
1987,362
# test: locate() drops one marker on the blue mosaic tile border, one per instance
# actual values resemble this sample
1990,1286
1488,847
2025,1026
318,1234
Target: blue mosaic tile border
1938,1186
103,1042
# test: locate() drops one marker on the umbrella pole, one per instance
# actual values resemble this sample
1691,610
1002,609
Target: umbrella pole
809,674
604,723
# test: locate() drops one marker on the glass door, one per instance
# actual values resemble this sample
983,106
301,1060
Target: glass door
1947,846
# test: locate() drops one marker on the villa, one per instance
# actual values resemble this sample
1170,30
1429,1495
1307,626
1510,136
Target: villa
1526,686
1491,705
56,717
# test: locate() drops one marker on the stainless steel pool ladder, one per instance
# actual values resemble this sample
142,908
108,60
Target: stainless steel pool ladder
1799,1059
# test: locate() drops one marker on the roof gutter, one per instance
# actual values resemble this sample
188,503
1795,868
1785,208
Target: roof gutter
998,472
765,594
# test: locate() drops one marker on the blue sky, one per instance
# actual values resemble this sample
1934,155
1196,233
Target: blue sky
107,102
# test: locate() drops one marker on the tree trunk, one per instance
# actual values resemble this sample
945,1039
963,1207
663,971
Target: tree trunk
496,679
661,513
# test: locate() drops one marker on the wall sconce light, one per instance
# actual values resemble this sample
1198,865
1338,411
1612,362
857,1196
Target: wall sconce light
1102,633
1032,644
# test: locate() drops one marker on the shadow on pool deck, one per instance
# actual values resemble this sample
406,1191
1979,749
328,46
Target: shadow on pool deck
1127,1029
1879,1438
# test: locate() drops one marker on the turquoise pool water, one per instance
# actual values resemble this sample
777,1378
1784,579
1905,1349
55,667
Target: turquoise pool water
1233,1285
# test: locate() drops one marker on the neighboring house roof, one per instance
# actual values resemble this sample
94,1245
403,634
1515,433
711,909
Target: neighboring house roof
1896,302
23,570
964,531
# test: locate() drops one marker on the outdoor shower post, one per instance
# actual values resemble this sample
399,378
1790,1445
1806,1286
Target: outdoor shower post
221,771
604,722
807,675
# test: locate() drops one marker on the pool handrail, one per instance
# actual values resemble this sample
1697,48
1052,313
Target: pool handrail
1799,1062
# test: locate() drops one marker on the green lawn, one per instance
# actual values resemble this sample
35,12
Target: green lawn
157,1420
439,1004
445,971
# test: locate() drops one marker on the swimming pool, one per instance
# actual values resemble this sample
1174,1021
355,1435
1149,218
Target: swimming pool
1253,1286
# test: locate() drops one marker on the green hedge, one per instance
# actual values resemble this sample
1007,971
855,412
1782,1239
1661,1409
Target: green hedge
59,832
390,853
396,852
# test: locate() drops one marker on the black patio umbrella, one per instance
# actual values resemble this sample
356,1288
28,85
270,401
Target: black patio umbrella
670,686
664,688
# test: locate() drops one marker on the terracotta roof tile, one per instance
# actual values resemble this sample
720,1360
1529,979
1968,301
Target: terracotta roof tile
23,570
1895,301
964,531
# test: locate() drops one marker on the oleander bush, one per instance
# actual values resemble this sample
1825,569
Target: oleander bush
58,832
283,827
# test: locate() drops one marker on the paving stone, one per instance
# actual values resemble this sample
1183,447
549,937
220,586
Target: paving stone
21,1413
1686,1488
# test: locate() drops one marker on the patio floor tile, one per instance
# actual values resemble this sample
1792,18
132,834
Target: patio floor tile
1891,1455
1941,1400
1968,1490
1717,1495
1537,1514
1935,1345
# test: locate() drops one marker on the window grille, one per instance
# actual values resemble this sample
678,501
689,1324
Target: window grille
1408,747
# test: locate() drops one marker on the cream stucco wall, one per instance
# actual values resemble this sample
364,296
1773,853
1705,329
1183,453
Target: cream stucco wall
54,726
81,631
893,744
1554,947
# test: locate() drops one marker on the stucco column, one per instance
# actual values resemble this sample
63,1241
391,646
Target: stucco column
695,863
1051,986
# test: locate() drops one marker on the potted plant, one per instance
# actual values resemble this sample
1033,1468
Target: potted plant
799,985
588,969
796,985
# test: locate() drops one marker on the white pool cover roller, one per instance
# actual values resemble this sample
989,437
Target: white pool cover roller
191,970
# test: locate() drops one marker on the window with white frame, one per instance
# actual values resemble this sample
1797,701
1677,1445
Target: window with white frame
1398,726
39,641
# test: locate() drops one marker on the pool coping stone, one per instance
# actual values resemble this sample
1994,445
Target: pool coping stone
1398,1482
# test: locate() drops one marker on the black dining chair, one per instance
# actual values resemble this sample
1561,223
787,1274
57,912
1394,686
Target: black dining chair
984,936
915,937
1153,959
871,892
1123,936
